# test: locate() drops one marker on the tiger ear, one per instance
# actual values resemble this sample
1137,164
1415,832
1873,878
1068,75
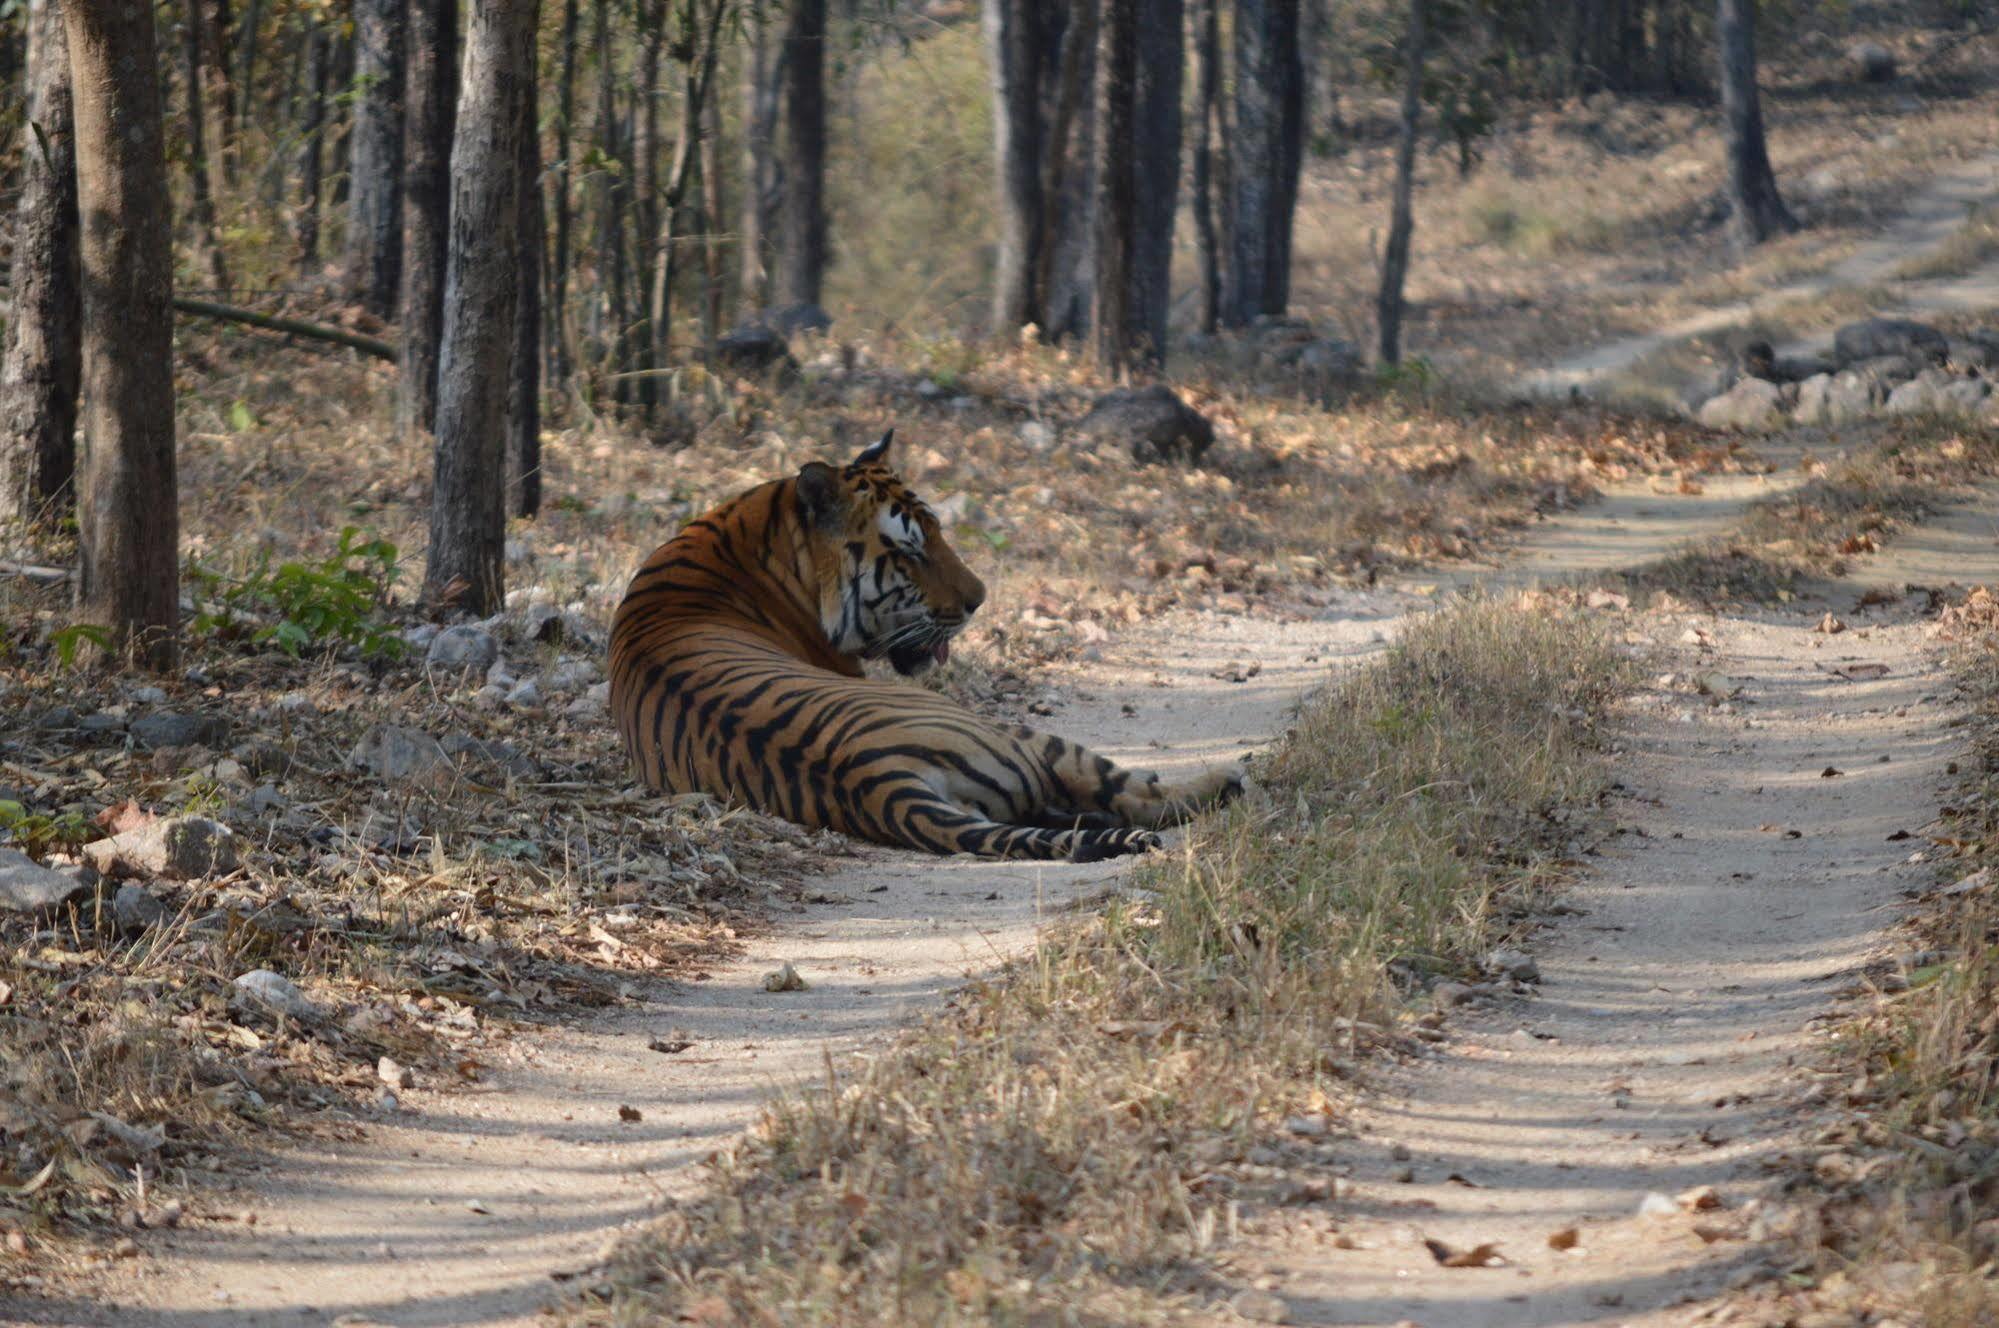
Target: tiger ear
875,451
820,499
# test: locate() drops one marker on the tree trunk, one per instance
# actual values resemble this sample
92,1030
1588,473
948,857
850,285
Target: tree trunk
565,140
1117,183
1756,210
700,43
524,369
1269,138
1014,45
613,194
714,209
1207,103
253,24
1161,41
207,237
759,165
312,150
802,216
468,516
129,537
38,379
375,222
430,105
1395,261
1064,286
645,204
218,89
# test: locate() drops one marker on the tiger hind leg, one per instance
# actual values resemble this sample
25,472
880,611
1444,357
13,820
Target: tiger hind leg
1094,785
914,815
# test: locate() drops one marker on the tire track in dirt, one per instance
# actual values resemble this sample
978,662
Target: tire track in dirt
1762,847
379,1229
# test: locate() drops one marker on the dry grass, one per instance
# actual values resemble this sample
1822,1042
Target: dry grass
1906,470
1078,1135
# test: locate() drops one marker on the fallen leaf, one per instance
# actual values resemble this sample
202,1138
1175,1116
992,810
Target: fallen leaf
1700,1199
1565,1239
630,1115
784,979
672,1046
1830,626
1455,1179
1710,1232
1898,836
1870,598
1478,1256
1858,671
1831,772
1862,543
122,816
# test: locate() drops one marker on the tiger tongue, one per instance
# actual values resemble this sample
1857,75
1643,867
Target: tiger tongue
942,654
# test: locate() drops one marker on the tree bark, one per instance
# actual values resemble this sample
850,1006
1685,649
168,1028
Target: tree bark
38,379
1207,103
802,215
1269,140
1756,209
129,538
1064,286
700,43
714,208
759,164
1014,46
1117,184
645,209
1395,259
1161,43
312,149
430,106
565,141
207,237
375,223
613,199
218,88
468,517
524,369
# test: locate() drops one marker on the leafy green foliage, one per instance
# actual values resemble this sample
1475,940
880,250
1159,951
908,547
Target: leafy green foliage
69,641
37,833
302,605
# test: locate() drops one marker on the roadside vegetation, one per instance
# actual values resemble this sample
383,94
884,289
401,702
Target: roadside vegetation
1087,1130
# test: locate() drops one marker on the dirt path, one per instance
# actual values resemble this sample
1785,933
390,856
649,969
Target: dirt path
1933,216
1743,889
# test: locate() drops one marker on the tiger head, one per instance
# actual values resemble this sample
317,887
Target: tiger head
890,585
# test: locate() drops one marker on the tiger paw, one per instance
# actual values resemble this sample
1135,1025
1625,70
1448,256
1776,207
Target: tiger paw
1097,845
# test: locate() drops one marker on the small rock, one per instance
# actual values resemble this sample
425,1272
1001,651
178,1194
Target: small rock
1752,404
27,887
1312,1125
277,992
265,800
571,675
395,753
1400,1152
1657,1205
1700,1199
152,696
525,694
135,910
752,346
419,637
1259,1307
395,1074
542,622
179,848
1871,62
56,717
784,979
260,756
1152,421
1449,994
1035,435
102,722
165,728
464,648
1513,964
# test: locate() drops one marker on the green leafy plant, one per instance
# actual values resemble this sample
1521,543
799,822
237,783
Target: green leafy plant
301,605
37,833
69,641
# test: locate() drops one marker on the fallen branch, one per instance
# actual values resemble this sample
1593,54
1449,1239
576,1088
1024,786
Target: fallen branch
47,576
297,327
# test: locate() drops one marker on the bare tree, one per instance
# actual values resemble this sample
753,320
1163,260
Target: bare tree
130,523
1268,148
1117,183
802,213
431,101
1161,43
565,141
524,371
207,236
375,173
1395,260
468,519
1207,132
1756,210
760,89
38,378
312,147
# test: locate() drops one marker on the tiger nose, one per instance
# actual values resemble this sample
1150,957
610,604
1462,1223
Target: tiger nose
975,595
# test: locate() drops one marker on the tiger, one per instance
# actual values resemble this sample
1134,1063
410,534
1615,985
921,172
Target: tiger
736,670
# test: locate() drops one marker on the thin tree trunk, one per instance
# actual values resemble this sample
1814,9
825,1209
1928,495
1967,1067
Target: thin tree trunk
1013,56
207,237
565,141
1207,102
612,199
1395,260
714,208
253,20
802,215
1155,151
759,168
1117,183
468,516
38,378
430,105
1756,209
218,91
1268,137
1075,74
312,149
524,369
129,534
645,206
701,40
375,222
341,148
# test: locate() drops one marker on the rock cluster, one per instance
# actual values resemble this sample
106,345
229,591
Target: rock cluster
1878,366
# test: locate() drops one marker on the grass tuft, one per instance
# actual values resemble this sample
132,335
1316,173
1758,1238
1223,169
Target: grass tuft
1075,1133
